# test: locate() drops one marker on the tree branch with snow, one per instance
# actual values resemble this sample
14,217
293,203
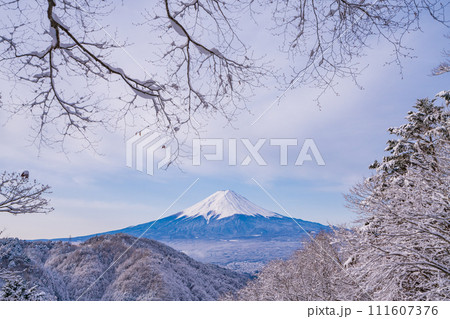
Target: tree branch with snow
63,62
19,195
401,250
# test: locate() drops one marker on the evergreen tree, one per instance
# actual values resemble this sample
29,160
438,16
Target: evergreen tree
417,141
17,290
402,249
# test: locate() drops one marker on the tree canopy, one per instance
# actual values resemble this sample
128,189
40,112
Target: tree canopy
61,56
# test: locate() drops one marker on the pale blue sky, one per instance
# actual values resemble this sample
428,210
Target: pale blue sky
95,193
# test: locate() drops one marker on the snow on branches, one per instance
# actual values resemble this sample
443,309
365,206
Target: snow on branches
402,249
63,66
19,195
16,289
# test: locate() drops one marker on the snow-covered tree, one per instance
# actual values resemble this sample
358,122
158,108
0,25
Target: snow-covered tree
402,249
419,142
64,59
20,195
444,66
315,272
17,290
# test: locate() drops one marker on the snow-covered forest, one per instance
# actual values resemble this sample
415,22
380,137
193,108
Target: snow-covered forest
72,84
400,248
109,267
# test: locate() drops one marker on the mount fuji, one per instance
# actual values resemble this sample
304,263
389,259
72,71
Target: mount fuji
225,215
223,204
226,228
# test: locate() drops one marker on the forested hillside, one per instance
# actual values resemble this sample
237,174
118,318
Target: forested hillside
148,270
400,248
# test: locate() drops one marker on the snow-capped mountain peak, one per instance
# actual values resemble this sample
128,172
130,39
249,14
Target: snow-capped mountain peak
224,204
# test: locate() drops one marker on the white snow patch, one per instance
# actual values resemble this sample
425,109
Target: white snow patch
54,36
202,50
58,21
143,94
223,204
42,75
217,52
177,28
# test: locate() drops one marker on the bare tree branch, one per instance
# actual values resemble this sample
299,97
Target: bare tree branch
60,57
444,67
325,38
19,195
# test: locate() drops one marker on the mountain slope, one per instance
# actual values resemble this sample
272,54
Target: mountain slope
148,271
224,215
227,229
